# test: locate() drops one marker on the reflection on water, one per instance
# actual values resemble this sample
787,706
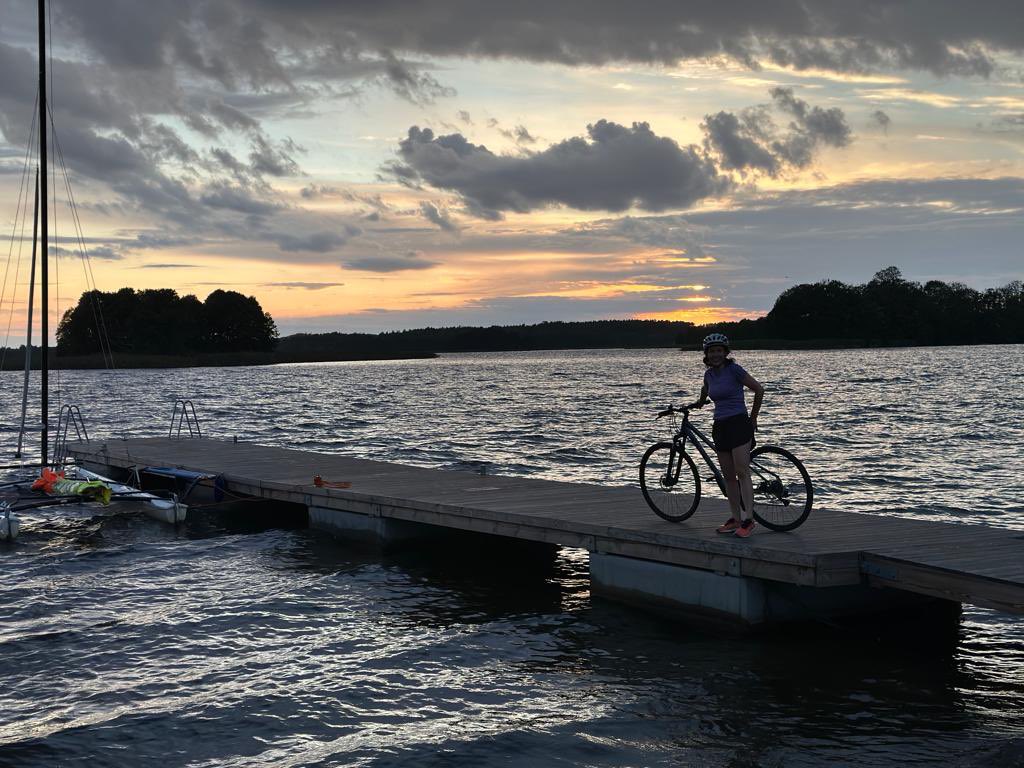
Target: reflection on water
228,642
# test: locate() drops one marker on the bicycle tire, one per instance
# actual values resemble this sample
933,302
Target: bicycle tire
775,493
669,502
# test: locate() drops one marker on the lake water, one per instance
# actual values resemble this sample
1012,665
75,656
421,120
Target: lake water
233,642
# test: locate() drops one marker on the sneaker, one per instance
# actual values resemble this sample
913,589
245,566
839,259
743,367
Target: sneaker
745,528
728,526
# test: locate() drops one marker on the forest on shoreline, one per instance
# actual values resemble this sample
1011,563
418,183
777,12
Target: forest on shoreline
159,329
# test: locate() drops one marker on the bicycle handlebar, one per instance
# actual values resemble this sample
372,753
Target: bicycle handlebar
672,409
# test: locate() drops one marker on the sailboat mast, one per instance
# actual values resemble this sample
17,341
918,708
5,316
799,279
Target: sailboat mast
44,232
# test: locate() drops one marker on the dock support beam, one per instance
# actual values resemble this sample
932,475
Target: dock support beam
376,532
742,602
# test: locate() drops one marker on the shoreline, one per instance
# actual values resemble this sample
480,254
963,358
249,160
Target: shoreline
15,360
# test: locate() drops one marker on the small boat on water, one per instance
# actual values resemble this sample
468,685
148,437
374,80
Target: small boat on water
55,481
79,486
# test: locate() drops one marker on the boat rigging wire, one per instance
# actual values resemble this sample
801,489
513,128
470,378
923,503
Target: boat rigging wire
18,217
102,334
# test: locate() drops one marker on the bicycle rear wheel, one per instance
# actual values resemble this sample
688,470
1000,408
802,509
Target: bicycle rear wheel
783,494
670,482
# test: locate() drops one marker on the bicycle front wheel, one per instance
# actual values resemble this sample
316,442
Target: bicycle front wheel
782,488
670,482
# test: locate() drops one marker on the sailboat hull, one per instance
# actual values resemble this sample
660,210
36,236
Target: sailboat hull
165,510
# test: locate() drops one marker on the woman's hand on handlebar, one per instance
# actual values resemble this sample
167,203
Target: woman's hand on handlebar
684,409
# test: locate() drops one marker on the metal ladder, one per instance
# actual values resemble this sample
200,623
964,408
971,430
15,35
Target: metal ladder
70,417
184,417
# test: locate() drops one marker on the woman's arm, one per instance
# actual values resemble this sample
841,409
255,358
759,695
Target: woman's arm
758,389
703,399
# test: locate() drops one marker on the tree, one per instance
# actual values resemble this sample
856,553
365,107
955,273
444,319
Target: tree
159,322
234,322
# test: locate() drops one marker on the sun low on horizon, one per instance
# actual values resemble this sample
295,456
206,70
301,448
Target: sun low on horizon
361,168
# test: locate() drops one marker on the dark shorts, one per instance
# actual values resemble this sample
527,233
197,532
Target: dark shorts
732,432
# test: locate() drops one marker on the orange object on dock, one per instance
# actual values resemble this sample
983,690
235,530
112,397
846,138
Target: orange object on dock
319,482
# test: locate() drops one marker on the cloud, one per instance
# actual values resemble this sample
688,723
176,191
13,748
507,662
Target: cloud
614,168
304,286
411,84
238,199
519,134
751,142
314,191
265,158
168,266
313,242
104,252
1009,123
388,263
882,120
438,216
738,143
269,44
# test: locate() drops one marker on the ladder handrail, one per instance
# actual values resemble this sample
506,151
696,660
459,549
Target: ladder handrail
68,417
185,414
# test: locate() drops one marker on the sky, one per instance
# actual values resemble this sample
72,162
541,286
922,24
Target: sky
376,166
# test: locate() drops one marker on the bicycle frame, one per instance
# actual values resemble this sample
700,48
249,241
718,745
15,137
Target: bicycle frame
689,433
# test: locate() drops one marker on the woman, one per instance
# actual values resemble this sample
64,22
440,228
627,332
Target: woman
733,430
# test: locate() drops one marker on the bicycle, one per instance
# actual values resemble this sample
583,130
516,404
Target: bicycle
783,494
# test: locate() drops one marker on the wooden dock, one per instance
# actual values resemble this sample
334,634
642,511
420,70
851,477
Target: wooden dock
961,563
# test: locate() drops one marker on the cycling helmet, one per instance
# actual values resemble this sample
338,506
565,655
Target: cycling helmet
713,339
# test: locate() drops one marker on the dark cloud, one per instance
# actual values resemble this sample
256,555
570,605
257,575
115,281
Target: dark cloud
265,158
882,120
304,286
739,147
104,252
389,263
1008,123
238,199
616,168
438,216
412,84
519,134
266,42
810,127
313,191
313,242
465,117
523,136
751,141
168,266
613,169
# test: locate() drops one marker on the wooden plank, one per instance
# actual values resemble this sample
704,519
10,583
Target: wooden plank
947,584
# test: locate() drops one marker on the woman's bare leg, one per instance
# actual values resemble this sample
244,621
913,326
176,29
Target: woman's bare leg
732,488
741,461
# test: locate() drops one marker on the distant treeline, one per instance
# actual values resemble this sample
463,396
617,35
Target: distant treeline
594,334
887,310
160,322
157,328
